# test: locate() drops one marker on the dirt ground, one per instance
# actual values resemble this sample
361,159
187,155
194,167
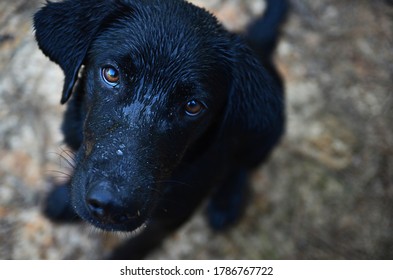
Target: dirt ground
326,192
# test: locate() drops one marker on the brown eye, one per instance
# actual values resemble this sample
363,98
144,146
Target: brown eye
110,75
194,108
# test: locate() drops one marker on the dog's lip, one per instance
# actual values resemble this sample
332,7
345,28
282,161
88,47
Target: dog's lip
131,225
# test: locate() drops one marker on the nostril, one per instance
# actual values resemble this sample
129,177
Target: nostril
100,201
97,208
94,203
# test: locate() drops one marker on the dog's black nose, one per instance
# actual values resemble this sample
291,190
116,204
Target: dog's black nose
104,205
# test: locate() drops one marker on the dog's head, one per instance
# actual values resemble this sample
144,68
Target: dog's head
158,76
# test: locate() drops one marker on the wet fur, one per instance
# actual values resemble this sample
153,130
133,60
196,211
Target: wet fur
141,161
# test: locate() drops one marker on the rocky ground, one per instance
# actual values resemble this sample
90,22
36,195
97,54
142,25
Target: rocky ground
327,191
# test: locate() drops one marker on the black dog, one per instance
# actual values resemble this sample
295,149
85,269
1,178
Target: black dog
167,107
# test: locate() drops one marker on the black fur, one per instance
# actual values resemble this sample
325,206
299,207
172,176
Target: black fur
141,159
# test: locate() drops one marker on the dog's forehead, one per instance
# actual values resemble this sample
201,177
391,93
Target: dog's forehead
168,31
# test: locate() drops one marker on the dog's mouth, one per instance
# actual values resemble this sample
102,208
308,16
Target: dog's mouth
129,224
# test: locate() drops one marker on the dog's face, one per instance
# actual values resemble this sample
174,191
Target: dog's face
158,76
151,93
153,86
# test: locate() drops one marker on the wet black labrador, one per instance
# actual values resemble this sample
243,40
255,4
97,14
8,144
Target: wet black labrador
164,107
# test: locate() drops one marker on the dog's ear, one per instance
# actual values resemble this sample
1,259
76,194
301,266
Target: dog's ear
64,31
255,108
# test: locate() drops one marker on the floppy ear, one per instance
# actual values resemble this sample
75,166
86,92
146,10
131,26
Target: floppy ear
255,108
64,31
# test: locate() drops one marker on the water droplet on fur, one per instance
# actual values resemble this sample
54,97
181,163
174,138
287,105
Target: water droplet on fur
119,152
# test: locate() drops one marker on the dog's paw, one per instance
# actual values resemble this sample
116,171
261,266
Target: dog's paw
228,205
222,216
57,206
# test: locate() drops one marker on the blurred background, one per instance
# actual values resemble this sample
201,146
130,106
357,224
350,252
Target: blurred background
326,192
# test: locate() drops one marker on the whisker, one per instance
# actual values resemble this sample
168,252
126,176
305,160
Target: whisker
56,174
69,153
70,164
60,172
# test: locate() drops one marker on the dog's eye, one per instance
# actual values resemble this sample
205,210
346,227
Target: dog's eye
194,108
110,75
